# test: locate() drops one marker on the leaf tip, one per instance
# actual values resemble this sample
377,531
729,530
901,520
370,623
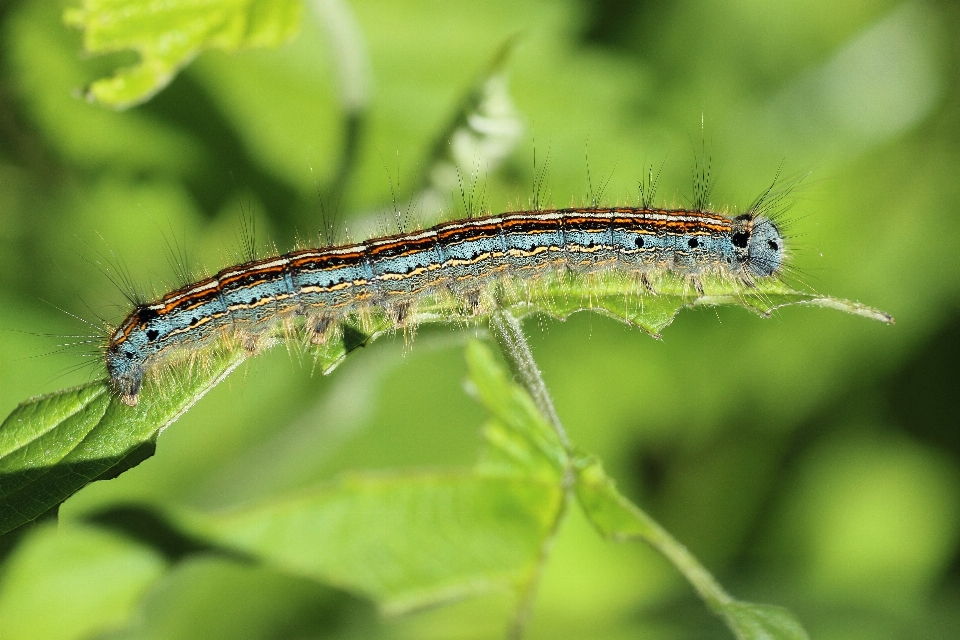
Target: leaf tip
854,308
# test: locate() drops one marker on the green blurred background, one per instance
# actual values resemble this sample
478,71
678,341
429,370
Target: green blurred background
811,460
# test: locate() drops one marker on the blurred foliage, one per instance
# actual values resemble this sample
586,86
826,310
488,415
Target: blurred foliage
811,460
167,35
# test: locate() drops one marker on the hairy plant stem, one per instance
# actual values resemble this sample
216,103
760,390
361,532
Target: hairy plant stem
509,335
508,332
702,581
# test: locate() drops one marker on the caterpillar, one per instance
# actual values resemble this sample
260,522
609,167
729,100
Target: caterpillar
462,259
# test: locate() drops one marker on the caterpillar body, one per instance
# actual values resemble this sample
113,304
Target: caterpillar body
461,258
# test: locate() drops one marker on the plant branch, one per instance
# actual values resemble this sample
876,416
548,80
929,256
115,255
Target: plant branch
508,333
513,344
686,563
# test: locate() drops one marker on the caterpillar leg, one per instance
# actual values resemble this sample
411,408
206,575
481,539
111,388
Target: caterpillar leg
471,302
400,313
319,328
127,386
645,281
251,343
697,285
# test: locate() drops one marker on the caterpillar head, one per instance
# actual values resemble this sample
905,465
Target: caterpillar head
760,245
125,369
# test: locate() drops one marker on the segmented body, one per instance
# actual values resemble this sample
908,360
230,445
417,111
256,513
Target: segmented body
461,257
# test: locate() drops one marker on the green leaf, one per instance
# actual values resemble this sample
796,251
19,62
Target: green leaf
617,518
46,69
406,540
413,539
168,34
52,446
609,511
621,297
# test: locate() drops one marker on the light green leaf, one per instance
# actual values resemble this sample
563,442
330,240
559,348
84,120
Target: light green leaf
168,34
413,539
406,540
617,518
609,511
46,69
